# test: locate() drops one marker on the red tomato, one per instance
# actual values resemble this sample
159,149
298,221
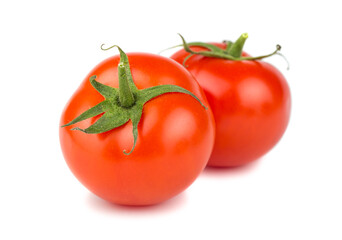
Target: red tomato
175,136
250,101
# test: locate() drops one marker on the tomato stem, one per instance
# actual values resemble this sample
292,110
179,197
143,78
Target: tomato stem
236,48
233,50
126,84
126,96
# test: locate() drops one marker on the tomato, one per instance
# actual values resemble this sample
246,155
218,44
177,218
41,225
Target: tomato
250,100
174,142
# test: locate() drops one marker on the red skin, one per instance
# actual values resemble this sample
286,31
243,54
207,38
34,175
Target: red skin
175,136
250,101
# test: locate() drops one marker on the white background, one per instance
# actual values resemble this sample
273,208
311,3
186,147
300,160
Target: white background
46,50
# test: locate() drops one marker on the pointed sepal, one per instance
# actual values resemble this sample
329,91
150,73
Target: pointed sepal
152,92
92,112
113,118
106,91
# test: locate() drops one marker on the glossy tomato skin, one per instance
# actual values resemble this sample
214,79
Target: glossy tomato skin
251,103
175,136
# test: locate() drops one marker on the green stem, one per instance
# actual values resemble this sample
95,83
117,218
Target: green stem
126,96
233,51
236,49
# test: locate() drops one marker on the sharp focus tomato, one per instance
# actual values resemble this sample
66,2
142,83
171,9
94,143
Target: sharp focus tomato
175,140
250,101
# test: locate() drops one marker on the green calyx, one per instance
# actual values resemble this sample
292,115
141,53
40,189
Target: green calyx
233,50
124,103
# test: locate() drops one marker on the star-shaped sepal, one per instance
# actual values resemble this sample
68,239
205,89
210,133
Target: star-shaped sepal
122,104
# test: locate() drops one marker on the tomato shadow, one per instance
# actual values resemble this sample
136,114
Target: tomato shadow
231,171
170,205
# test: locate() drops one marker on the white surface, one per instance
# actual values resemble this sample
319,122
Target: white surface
46,50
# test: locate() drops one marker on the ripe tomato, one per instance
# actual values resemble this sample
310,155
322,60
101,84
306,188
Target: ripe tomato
250,101
174,142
